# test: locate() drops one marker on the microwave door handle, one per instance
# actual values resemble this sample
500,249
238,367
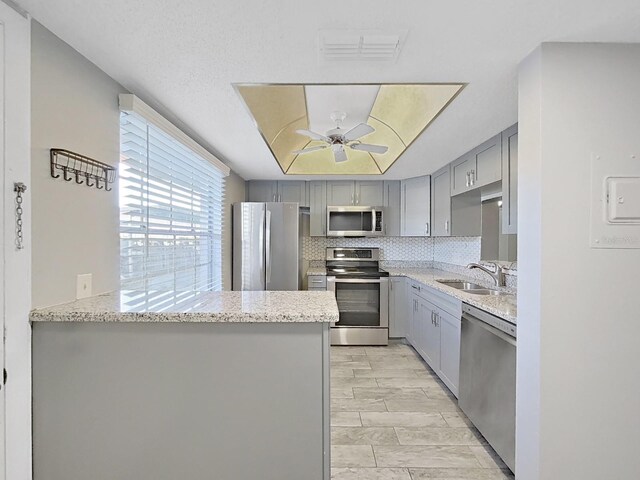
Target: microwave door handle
373,220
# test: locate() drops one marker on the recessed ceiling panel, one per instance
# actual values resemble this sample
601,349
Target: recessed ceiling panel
408,109
397,113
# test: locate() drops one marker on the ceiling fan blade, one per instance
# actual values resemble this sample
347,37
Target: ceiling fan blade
310,149
339,154
313,135
358,131
365,147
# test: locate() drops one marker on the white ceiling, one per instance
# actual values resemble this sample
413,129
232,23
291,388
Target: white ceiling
185,56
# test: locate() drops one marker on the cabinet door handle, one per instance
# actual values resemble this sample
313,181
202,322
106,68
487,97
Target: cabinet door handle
468,179
426,228
473,177
446,226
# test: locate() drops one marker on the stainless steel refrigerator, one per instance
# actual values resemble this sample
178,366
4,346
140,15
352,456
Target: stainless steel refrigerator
266,246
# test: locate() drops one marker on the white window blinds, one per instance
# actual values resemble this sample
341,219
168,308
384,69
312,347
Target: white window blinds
170,212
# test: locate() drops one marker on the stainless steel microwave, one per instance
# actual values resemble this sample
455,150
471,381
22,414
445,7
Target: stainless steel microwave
355,221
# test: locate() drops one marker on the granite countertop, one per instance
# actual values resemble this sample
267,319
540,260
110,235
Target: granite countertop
228,306
503,306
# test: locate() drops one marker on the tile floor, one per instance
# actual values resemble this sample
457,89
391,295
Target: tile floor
393,419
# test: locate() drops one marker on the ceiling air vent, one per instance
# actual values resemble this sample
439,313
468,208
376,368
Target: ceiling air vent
360,45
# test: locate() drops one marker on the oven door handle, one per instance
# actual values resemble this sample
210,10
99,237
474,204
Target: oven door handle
357,280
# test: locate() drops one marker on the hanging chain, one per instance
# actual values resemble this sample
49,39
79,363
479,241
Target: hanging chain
19,188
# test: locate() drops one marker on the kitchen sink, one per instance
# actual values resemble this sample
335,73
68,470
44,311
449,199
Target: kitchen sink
484,291
460,285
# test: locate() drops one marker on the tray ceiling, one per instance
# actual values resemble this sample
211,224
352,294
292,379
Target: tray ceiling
399,113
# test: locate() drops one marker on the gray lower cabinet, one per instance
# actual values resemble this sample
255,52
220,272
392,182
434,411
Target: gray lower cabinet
415,200
398,313
441,202
278,191
318,208
450,327
316,282
166,401
510,180
434,331
391,204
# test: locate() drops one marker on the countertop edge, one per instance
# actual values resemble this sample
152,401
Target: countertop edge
464,297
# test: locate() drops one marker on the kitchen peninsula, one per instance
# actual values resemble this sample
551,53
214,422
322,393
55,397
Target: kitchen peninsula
165,385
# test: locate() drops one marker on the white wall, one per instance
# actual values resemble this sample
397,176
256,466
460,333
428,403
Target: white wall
75,227
578,321
15,265
234,191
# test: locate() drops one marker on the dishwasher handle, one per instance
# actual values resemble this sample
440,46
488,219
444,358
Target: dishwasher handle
493,330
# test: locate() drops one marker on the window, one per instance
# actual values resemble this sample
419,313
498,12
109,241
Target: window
170,211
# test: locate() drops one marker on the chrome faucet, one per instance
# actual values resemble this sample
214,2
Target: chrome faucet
497,274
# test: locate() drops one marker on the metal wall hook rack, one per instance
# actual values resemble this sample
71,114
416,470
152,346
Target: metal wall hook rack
73,165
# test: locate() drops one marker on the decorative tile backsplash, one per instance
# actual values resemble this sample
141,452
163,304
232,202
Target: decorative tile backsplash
454,250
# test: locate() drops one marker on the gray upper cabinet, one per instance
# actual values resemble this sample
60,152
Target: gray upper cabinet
263,191
415,206
510,180
461,174
365,193
318,208
282,191
340,193
293,191
480,167
391,204
441,202
488,157
369,194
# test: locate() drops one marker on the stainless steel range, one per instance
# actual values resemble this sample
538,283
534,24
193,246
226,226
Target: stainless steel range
362,293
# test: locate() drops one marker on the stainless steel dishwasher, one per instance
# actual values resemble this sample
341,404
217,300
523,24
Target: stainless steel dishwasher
487,392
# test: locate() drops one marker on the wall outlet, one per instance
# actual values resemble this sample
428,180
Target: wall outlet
83,285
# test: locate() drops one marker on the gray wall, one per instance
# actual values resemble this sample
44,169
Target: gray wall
234,191
578,323
74,105
75,228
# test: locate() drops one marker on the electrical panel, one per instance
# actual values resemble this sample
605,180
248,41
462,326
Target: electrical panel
615,202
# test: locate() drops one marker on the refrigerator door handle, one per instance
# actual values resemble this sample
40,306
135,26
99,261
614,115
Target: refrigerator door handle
268,249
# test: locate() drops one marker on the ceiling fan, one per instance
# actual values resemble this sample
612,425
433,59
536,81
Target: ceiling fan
337,139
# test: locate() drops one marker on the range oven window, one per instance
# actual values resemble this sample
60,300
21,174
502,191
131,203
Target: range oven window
358,304
351,221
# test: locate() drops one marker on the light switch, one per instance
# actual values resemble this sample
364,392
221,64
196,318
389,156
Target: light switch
623,194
